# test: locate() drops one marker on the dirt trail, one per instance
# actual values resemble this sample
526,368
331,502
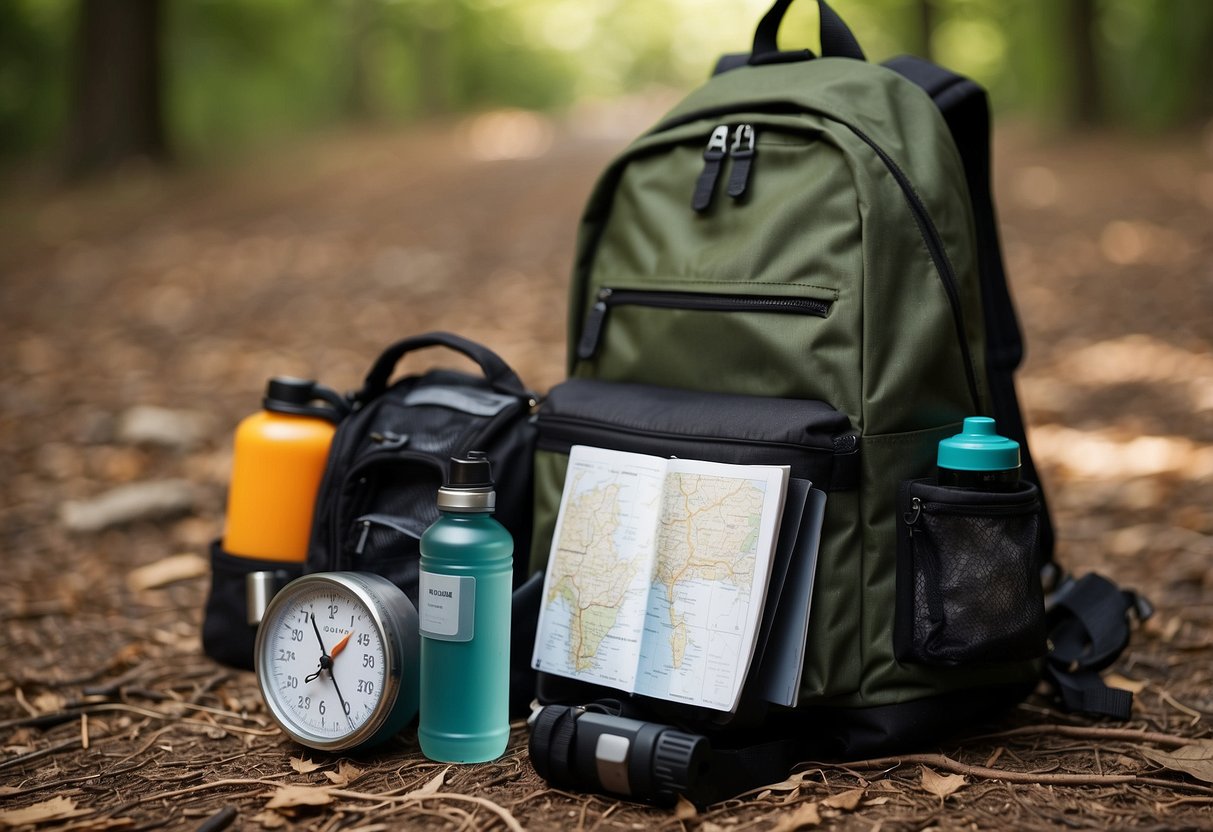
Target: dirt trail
187,291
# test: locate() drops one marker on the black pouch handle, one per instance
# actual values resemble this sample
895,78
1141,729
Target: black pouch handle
496,371
837,41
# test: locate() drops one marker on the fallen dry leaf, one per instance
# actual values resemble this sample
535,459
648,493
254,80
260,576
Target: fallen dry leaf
941,785
878,801
167,571
289,796
432,786
57,808
48,703
685,810
1195,759
805,815
345,774
270,819
847,801
303,765
1115,680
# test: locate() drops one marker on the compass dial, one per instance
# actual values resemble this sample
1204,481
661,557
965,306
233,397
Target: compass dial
329,659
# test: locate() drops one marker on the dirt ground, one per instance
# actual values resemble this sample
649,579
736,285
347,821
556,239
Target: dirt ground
187,291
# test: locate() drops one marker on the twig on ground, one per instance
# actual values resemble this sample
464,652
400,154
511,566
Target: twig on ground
1088,733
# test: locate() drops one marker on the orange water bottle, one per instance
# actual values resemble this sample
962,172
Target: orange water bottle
277,463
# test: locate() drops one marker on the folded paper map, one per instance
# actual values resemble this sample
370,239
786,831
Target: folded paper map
657,574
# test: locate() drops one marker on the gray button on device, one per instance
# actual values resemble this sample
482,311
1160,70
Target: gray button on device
611,755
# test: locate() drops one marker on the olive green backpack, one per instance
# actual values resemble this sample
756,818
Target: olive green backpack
804,229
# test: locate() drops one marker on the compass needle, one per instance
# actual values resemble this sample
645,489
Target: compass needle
339,646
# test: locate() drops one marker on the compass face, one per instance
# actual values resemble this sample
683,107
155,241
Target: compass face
322,664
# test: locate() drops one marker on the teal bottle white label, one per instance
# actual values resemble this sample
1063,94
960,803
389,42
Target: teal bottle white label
447,606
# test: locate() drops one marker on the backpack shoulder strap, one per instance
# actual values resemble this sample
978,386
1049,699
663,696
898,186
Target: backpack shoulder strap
966,109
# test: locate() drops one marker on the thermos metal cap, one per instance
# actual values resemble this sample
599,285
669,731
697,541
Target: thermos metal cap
469,484
978,447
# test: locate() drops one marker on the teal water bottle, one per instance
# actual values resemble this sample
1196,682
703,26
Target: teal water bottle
979,458
464,610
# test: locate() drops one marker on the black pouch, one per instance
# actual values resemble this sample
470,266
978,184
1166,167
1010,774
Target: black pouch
811,437
389,457
968,588
227,634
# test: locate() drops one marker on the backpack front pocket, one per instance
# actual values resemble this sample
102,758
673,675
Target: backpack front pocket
608,299
968,588
391,502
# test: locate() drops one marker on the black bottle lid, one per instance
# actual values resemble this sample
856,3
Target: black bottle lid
469,484
303,397
472,471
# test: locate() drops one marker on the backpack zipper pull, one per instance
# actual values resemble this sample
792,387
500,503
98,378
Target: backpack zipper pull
366,530
713,155
590,335
911,517
742,154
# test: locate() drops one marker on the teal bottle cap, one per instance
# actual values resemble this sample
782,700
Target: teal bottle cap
978,447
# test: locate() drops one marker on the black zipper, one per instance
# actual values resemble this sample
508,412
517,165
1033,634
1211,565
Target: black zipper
356,503
367,520
591,335
939,256
918,507
583,431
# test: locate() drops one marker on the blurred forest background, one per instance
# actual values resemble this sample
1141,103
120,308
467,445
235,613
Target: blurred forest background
88,84
198,194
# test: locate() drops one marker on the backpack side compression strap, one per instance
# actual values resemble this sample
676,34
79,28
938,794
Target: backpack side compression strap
966,110
1088,621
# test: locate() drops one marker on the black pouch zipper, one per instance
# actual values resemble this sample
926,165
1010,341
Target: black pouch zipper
356,503
591,334
561,433
368,520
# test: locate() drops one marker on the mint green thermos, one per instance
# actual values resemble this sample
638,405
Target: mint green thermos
464,610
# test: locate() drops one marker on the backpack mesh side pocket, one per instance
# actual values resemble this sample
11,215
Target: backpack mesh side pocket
968,586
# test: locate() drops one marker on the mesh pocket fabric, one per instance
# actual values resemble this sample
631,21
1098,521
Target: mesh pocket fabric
968,587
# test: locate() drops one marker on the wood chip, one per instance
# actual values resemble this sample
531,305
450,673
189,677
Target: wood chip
55,809
847,801
685,810
287,797
805,815
1115,680
167,571
127,504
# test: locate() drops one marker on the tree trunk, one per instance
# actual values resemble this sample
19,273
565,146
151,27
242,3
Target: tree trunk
361,103
1086,102
116,113
924,26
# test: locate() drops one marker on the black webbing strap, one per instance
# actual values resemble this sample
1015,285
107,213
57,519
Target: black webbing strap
1088,621
966,110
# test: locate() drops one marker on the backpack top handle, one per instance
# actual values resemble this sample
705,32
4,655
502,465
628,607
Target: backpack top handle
496,371
837,41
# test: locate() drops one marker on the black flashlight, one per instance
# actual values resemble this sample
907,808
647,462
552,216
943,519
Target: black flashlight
578,749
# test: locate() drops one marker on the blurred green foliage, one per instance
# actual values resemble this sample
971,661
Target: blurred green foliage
244,71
